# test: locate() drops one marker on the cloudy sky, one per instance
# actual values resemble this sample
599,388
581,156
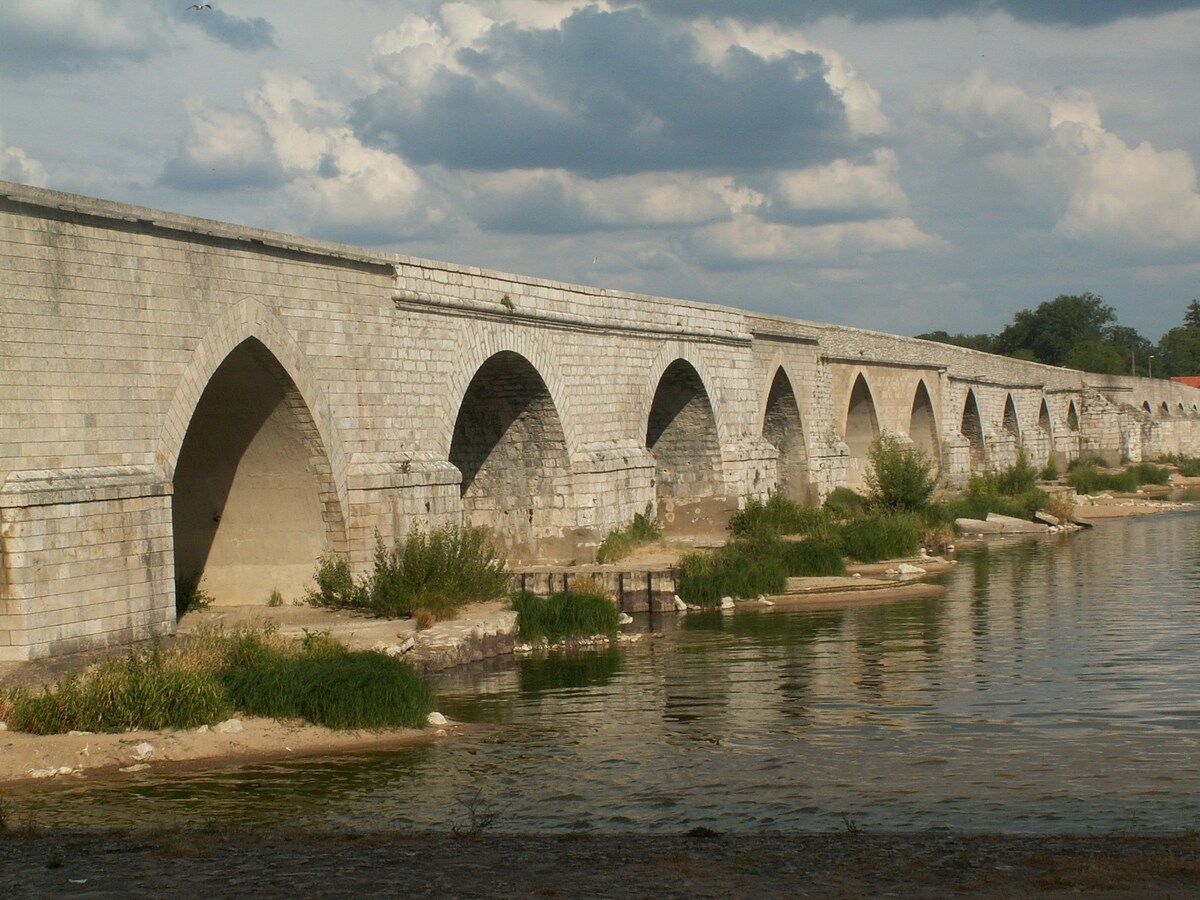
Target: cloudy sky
904,165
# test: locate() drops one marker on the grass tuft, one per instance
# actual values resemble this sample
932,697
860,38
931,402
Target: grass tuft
620,543
200,683
779,515
326,684
436,572
569,614
146,689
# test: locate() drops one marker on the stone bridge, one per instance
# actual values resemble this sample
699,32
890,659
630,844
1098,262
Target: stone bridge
181,396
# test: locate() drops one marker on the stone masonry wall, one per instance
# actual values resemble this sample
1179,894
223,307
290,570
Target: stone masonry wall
114,320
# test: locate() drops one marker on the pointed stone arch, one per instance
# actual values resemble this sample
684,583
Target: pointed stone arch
783,428
971,427
861,429
1164,410
254,504
250,319
1011,422
1044,423
1072,417
922,423
478,346
508,443
682,437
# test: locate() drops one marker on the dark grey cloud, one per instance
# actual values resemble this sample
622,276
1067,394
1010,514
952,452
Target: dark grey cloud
544,209
610,93
34,41
1077,13
246,35
186,173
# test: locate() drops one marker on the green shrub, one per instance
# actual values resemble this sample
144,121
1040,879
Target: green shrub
1086,462
336,586
618,544
189,595
804,558
778,515
1148,473
328,685
733,571
1017,479
877,537
1050,470
1086,479
568,614
142,690
436,571
844,502
901,478
1189,467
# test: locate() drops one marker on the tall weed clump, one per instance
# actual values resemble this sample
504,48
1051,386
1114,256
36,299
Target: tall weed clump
872,538
326,684
735,571
901,478
777,515
434,572
146,689
1189,466
618,544
1087,478
564,615
803,558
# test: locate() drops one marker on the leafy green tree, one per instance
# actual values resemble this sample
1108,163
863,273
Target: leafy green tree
1134,349
1178,352
982,342
1056,326
1191,318
1096,356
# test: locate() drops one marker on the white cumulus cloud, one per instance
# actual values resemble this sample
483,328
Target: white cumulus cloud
16,165
1056,152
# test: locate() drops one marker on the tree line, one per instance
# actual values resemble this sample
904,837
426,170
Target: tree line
1081,332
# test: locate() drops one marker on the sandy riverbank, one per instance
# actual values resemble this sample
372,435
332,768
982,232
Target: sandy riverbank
25,757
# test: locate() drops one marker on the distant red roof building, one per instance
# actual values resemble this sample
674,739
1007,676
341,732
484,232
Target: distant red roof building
1189,380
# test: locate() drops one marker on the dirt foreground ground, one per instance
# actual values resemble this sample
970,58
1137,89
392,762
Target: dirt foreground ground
37,864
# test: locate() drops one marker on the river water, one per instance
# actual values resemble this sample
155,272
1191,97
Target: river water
1055,686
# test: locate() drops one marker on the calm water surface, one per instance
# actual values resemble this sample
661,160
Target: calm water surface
1053,687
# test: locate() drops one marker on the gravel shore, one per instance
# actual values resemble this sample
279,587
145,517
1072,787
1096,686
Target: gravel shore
44,863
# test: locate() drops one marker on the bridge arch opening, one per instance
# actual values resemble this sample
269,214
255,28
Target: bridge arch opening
862,427
1072,417
972,430
1164,410
511,449
254,503
681,435
1011,424
1146,407
784,430
922,424
1044,424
